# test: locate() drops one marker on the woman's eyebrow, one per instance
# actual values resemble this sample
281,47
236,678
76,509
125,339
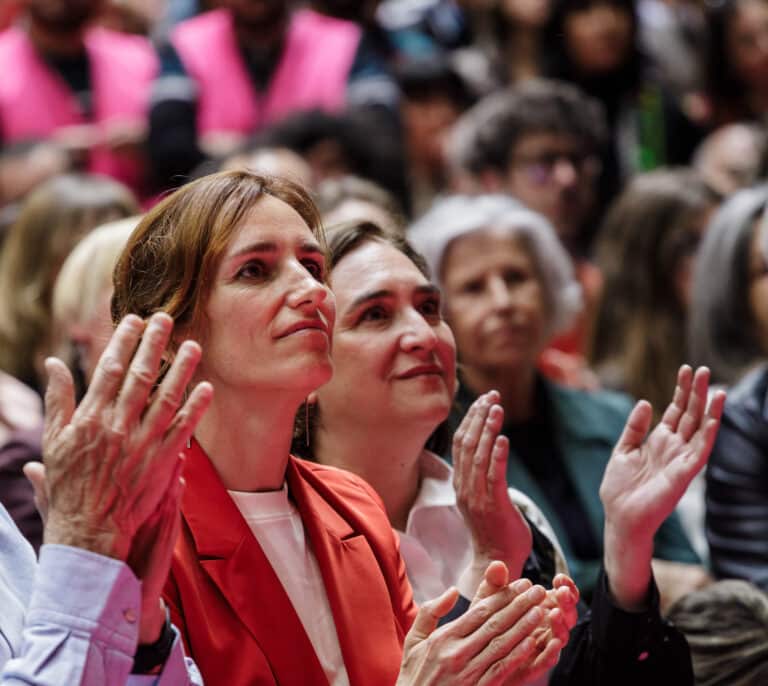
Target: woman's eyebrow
366,297
260,247
428,289
311,247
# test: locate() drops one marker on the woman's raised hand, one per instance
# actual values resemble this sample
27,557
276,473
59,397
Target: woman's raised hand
499,531
645,479
114,461
510,636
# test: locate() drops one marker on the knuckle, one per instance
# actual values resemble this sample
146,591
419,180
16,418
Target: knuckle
111,368
167,402
494,627
142,376
481,612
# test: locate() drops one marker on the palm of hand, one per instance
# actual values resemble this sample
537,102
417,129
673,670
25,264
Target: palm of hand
644,484
645,479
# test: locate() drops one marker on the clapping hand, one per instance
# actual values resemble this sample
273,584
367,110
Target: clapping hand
114,462
510,635
499,530
645,479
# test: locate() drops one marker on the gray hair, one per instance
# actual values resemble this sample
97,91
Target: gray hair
460,215
722,333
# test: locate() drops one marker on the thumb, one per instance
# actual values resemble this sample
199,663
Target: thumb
636,428
429,616
495,578
35,473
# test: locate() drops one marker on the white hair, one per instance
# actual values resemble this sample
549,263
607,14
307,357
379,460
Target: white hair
456,216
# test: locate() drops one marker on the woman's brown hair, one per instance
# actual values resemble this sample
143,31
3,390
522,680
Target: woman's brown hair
641,326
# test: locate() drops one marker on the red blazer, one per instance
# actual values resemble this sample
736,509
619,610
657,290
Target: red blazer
234,615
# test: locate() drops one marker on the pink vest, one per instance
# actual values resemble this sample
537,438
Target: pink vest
312,72
35,101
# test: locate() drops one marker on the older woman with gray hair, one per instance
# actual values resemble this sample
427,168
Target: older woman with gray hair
729,331
508,288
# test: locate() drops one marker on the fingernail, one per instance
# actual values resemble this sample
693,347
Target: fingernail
534,615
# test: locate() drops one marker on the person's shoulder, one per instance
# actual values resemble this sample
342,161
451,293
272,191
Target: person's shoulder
745,407
205,21
132,50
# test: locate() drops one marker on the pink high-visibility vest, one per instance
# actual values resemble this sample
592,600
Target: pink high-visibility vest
312,71
35,101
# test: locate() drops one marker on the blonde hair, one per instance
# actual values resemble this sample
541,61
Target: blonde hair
85,275
52,219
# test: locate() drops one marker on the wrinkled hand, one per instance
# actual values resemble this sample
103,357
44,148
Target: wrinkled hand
112,460
499,531
645,479
494,642
561,601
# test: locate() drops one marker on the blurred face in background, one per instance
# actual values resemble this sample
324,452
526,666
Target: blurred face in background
495,302
427,122
599,37
63,15
553,174
747,42
531,14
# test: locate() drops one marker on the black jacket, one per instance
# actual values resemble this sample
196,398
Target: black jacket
737,484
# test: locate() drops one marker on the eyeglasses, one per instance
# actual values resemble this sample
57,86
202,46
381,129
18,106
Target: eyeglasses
540,168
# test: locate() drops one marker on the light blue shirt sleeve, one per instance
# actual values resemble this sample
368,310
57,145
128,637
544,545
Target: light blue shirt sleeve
82,627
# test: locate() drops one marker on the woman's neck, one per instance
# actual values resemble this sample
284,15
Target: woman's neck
248,438
517,388
386,457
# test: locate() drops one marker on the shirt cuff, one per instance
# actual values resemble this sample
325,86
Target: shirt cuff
89,593
634,635
176,670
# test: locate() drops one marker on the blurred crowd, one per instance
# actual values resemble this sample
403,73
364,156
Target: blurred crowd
592,174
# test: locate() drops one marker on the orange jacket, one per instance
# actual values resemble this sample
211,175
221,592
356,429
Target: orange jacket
237,621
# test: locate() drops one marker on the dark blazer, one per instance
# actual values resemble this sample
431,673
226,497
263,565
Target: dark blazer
737,484
235,617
